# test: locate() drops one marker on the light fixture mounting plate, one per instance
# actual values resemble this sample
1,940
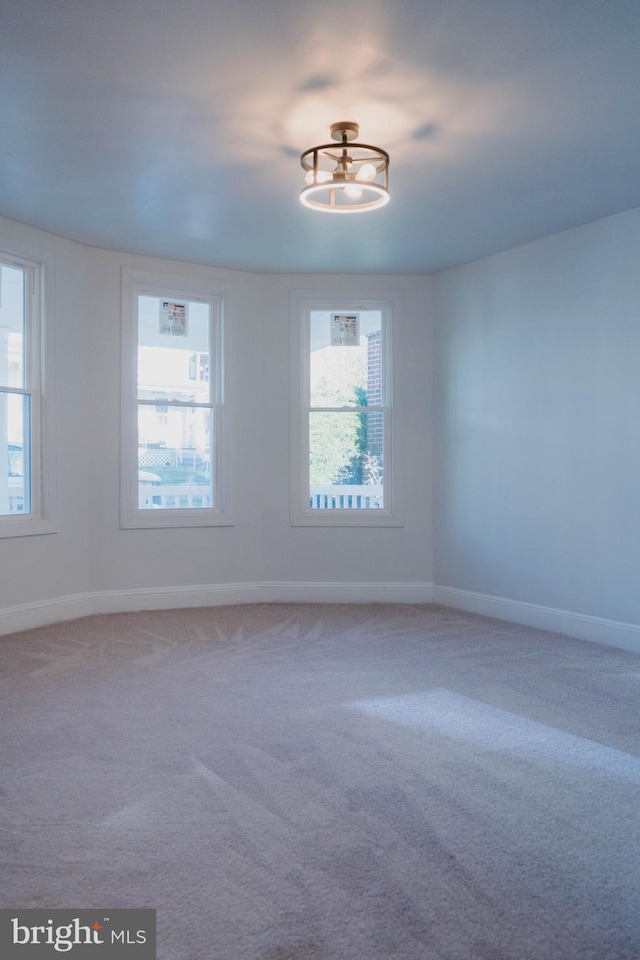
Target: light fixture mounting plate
345,130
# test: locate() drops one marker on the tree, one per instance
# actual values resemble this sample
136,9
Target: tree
337,441
353,471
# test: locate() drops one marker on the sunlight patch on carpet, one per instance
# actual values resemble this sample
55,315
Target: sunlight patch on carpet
448,714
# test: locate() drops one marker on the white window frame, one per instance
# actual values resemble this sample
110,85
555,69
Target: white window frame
38,266
301,304
136,283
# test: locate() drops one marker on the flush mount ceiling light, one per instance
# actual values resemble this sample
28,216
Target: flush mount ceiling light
351,178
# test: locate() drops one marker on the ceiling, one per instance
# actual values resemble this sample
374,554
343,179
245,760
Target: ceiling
174,127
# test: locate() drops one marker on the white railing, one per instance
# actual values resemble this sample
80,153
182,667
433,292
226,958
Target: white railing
168,496
346,496
172,496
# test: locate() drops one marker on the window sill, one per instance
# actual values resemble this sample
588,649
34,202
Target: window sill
345,518
172,519
12,526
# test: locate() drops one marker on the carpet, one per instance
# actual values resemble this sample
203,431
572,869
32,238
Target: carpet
327,782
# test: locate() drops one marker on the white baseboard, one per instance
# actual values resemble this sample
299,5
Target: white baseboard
42,612
596,629
39,613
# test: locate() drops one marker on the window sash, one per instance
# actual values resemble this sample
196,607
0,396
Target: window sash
302,305
137,284
31,518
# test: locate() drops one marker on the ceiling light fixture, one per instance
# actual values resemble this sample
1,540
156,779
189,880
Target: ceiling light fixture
351,180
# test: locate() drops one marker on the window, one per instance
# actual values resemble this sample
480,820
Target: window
341,418
21,309
172,429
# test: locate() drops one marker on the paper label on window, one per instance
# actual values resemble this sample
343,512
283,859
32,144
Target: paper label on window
174,319
345,329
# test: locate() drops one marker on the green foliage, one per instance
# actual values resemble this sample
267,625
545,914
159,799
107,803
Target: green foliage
353,471
338,441
371,469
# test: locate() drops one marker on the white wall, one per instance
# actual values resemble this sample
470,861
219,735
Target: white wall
90,554
537,454
54,565
262,545
537,481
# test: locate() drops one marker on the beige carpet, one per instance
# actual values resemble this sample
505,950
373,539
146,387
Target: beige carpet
308,782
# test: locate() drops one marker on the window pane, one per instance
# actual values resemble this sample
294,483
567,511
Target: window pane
12,365
346,461
15,477
173,350
174,457
345,375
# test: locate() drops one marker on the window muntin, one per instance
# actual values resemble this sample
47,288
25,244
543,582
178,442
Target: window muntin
172,426
341,436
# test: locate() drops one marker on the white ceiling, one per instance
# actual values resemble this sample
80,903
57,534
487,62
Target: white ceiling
174,127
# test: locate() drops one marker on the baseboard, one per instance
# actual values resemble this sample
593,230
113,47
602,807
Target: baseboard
39,613
596,629
42,612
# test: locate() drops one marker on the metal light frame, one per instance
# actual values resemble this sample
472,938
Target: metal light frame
341,189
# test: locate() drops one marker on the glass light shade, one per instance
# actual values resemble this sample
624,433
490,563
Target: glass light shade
366,172
323,177
353,192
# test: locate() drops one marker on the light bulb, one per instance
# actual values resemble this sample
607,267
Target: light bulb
366,172
353,192
323,177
